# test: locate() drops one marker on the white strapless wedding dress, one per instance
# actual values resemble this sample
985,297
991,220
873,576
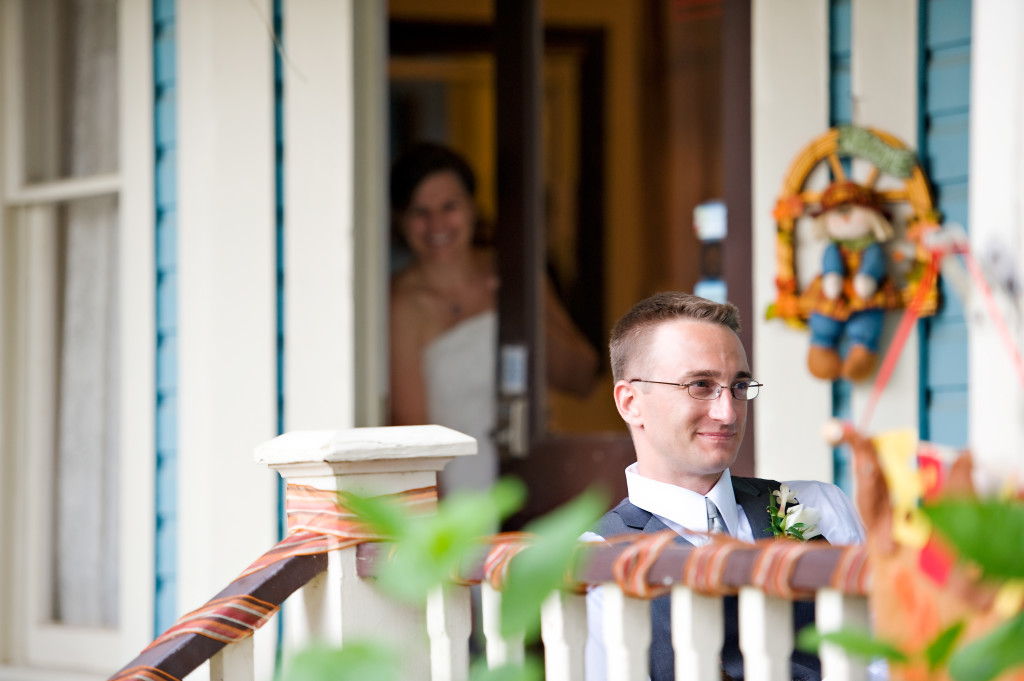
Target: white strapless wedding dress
459,366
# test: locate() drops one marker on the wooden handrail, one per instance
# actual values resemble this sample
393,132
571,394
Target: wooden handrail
180,656
816,569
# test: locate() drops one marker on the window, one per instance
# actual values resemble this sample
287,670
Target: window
68,258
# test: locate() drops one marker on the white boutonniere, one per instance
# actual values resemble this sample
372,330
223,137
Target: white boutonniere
794,520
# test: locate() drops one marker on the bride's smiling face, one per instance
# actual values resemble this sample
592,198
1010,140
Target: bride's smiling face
438,224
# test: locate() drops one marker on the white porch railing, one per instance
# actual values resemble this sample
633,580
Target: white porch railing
332,598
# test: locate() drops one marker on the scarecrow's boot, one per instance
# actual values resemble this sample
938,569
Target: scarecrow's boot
823,362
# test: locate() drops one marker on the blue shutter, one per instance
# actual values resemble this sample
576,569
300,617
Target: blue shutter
841,113
279,232
945,59
166,190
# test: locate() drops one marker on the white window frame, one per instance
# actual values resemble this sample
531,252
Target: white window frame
28,368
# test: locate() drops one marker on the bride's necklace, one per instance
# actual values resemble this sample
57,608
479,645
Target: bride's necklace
455,304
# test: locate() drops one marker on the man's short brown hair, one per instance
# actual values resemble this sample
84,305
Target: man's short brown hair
629,337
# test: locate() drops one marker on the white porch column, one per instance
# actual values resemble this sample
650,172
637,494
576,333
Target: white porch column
996,200
226,303
338,607
335,212
884,80
790,107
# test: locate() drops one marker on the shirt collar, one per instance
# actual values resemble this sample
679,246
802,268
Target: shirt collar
684,508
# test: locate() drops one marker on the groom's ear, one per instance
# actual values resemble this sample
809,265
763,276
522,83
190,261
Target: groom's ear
628,403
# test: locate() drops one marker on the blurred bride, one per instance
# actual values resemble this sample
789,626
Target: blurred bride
443,314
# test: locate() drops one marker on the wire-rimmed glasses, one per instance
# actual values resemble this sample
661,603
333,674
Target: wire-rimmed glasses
703,389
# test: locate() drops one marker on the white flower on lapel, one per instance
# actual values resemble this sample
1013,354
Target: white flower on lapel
802,519
785,495
797,521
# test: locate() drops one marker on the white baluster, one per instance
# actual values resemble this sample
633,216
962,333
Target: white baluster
449,623
564,631
500,650
627,635
766,635
698,632
835,610
234,662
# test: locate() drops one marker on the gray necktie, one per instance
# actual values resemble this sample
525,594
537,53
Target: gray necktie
716,525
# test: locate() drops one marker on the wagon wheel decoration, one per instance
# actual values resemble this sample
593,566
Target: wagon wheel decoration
885,155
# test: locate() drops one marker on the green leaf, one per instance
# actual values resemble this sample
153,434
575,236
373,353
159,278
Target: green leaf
541,568
986,658
797,530
367,661
776,523
970,524
384,515
938,650
853,641
431,548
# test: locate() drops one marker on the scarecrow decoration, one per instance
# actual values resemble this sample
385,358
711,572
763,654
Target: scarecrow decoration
871,263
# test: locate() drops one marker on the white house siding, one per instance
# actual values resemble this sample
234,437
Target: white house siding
336,221
138,347
996,215
885,85
227,506
791,107
790,102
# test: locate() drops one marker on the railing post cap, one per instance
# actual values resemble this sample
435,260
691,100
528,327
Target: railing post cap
365,444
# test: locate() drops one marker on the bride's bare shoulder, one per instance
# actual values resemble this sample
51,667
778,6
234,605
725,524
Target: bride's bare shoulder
413,307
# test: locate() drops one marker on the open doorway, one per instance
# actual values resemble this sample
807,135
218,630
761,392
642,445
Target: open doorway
633,136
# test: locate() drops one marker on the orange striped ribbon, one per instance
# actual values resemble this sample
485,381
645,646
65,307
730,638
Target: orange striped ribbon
852,574
227,619
704,570
773,568
505,547
317,523
633,564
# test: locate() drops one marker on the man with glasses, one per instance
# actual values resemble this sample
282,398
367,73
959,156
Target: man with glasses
683,387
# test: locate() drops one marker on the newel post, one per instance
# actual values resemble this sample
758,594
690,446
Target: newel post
338,606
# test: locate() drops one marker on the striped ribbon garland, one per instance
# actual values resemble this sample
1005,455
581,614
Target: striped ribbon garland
633,564
704,570
505,547
773,569
317,523
227,619
852,574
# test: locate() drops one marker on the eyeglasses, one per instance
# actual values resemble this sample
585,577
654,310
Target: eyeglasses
709,390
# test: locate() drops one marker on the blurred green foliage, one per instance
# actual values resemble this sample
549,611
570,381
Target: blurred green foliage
362,661
989,533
